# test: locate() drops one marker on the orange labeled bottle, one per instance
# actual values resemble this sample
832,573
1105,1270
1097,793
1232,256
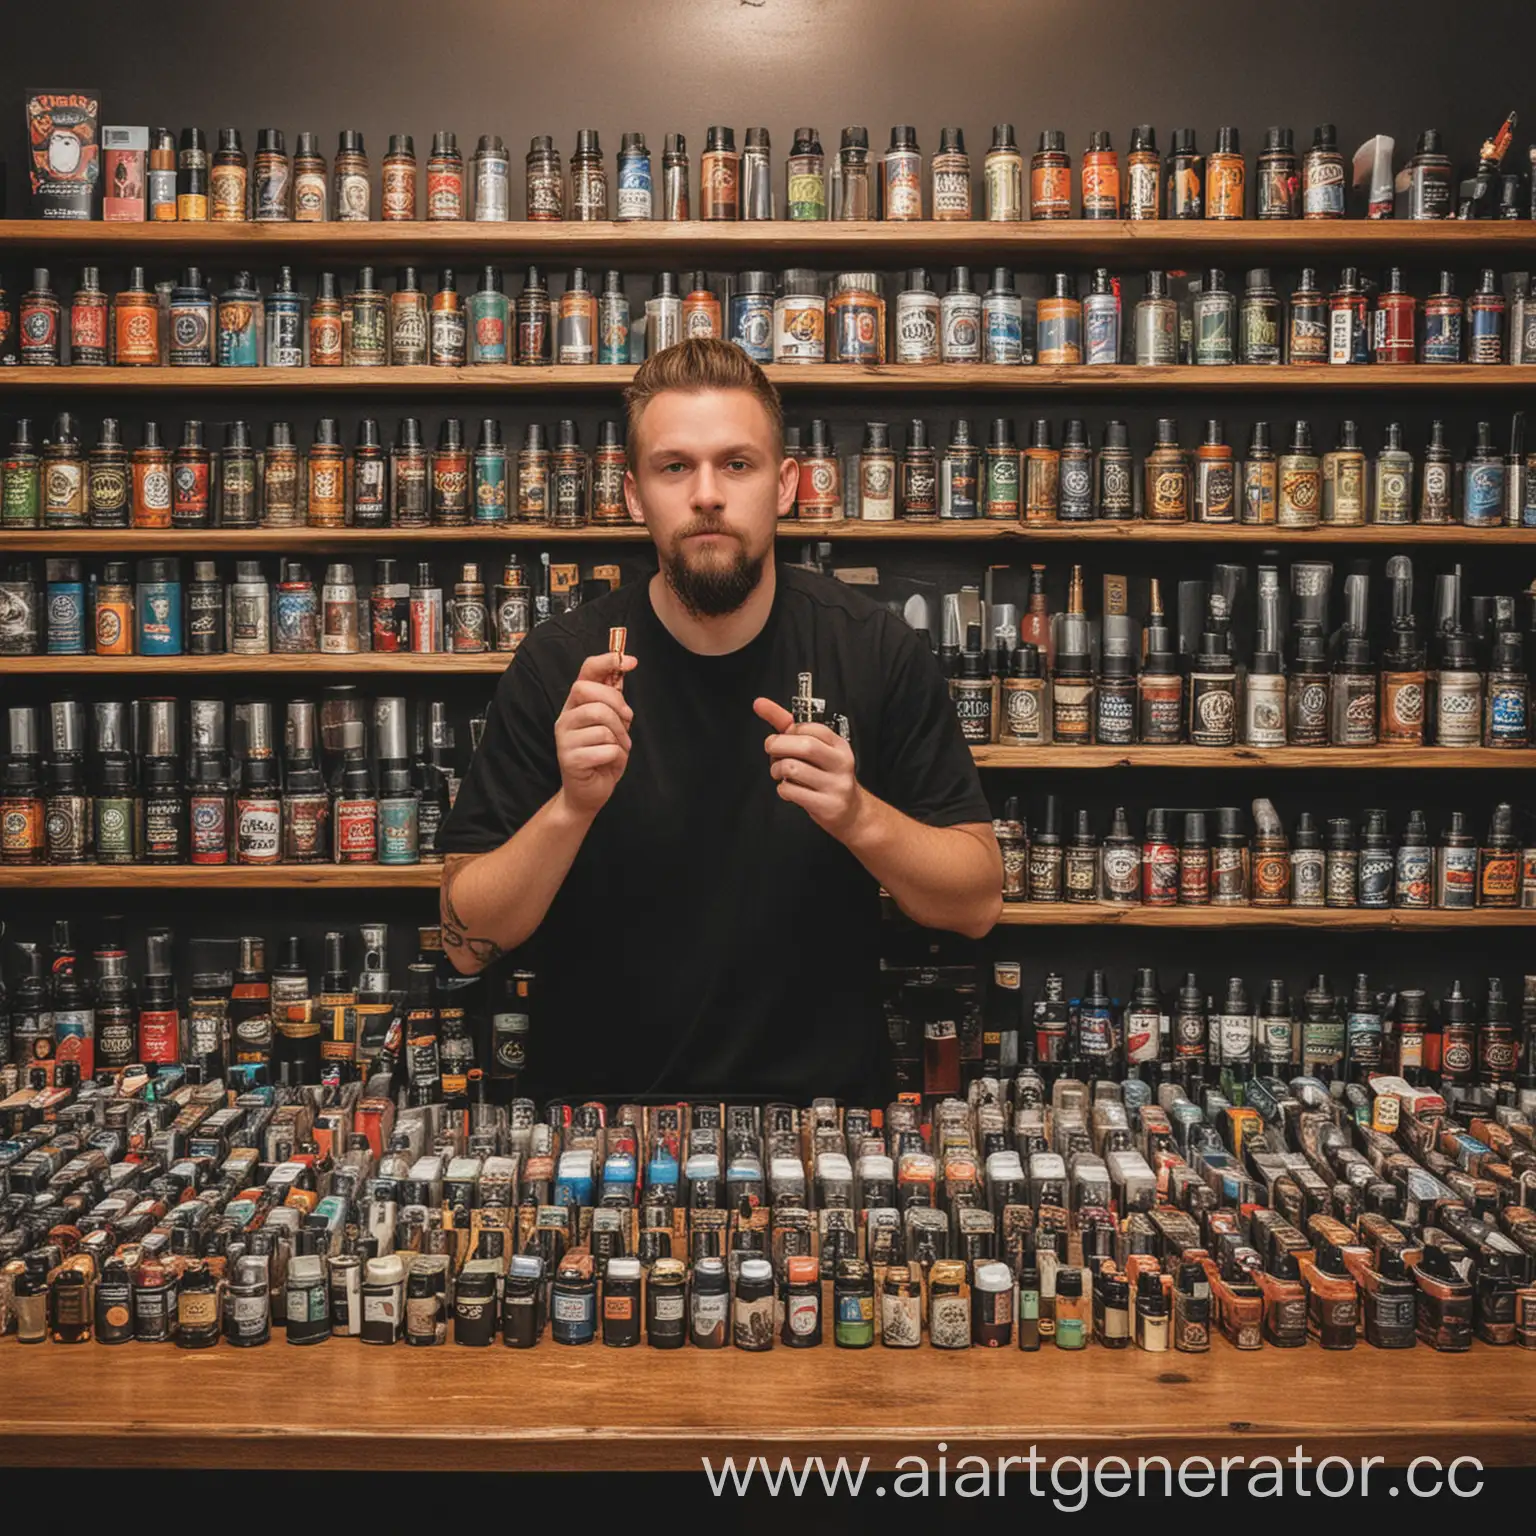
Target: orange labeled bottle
1225,178
1050,177
1101,178
136,324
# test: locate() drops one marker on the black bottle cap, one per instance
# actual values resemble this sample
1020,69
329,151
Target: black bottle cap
855,138
1074,434
1115,666
1458,653
1040,434
350,142
1116,435
1063,286
1495,1003
1215,435
1348,436
450,434
1144,137
587,142
1488,281
327,433
1276,1002
664,285
1157,825
1306,834
1258,438
1183,141
1326,136
1052,140
567,435
1026,660
1501,825
903,136
307,144
951,141
1265,664
1509,652
753,281
917,434
367,433
1215,281
1257,280
533,437
1157,285
1301,437
542,144
152,435
720,139
1194,828
1279,139
1099,140
445,143
403,144
1307,280
490,433
1341,832
1227,141
1002,280
807,141
269,141
1237,996
1167,432
960,280
408,432
1394,435
1003,136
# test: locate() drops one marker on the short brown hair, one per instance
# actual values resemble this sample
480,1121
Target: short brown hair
691,367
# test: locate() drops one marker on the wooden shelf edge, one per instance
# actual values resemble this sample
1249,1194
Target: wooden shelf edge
1423,759
365,663
1045,914
269,877
850,378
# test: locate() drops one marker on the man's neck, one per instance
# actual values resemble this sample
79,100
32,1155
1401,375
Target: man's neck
714,636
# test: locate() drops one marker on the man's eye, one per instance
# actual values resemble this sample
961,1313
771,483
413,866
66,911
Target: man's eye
738,464
668,468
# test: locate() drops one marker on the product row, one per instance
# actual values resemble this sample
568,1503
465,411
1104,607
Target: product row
1001,469
1208,857
149,173
795,316
1065,680
349,786
147,608
1022,1213
550,479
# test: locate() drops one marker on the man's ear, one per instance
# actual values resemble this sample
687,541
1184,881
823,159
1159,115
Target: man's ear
632,497
789,485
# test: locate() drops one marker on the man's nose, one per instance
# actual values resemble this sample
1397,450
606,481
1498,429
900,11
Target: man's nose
708,491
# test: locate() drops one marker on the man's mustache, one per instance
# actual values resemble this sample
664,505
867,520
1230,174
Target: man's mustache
705,525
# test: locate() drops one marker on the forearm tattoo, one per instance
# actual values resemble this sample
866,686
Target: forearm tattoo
454,928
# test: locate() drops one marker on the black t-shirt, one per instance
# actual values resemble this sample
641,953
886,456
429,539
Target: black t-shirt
710,938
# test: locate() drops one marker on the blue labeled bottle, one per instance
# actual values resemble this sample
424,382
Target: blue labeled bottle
65,608
158,608
634,190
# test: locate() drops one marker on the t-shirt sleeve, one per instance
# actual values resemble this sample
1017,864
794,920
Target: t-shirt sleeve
514,769
925,767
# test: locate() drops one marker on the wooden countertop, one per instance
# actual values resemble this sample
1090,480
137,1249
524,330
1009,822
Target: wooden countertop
342,1405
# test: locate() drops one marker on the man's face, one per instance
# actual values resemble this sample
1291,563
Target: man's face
710,483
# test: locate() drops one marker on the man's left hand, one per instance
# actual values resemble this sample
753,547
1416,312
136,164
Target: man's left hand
814,769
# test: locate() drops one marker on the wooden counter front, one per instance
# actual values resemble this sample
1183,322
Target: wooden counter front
342,1404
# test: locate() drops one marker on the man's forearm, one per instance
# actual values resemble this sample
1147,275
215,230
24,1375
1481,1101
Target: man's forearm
491,902
941,877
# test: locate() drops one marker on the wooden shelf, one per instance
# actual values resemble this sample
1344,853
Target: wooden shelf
1051,914
727,246
1423,758
345,1405
433,663
206,877
824,378
84,541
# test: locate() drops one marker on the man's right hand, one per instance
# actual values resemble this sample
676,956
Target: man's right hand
592,735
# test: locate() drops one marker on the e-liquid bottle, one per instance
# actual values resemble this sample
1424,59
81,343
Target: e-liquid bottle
1300,481
311,186
63,476
1002,321
88,320
918,474
918,319
1225,178
1344,481
959,473
447,333
1258,319
1075,504
1143,175
950,170
272,179
1498,861
1186,177
1023,719
545,180
634,179
445,179
1323,176
1341,875
1050,177
901,177
1395,325
1114,472
1213,694
21,481
960,320
1214,499
1042,475
1506,710
877,475
1485,320
1307,335
192,177
1160,700
1413,875
589,179
227,180
491,177
1279,176
1430,179
1166,469
1482,501
1160,862
350,179
1060,322
1101,178
535,333
488,321
1456,860
1392,481
1101,320
160,177
1443,312
1352,695
1157,325
1260,479
1377,863
1115,722
720,176
1003,177
1347,331
805,173
1046,856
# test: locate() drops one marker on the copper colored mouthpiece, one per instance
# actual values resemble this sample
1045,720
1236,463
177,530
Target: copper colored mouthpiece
617,637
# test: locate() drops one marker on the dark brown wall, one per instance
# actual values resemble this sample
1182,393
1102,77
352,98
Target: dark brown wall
518,69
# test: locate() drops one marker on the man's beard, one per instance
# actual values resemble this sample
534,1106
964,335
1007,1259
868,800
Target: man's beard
711,588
